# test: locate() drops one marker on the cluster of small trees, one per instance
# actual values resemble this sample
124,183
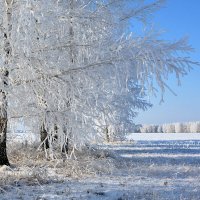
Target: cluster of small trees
189,127
70,69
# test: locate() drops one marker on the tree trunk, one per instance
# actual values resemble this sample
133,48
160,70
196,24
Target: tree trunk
43,137
107,134
7,27
3,131
45,141
3,122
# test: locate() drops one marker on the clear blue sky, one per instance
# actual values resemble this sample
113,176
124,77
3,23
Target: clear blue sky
178,18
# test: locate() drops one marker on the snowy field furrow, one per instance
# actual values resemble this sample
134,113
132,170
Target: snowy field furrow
136,170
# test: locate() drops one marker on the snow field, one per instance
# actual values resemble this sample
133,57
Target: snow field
149,170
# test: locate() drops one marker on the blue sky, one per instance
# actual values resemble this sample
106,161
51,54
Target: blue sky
178,18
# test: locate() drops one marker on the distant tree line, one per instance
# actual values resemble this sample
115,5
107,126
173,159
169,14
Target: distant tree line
188,127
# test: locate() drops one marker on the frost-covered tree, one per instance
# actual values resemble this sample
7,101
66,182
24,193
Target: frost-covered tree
193,127
164,128
146,128
118,112
5,65
160,129
180,128
63,61
187,127
151,128
171,128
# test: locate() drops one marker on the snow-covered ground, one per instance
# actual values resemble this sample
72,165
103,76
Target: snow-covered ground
150,170
163,136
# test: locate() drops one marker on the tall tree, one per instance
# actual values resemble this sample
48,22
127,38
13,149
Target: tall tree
80,55
6,56
68,55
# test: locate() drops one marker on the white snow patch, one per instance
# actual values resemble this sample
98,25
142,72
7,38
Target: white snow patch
146,170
